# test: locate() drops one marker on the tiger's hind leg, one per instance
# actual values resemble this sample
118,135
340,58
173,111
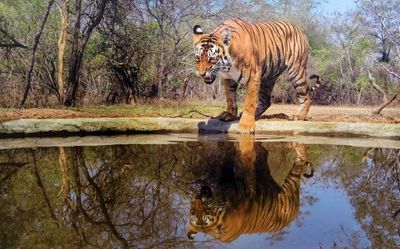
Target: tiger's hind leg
299,80
264,99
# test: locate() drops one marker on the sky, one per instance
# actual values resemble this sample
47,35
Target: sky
330,6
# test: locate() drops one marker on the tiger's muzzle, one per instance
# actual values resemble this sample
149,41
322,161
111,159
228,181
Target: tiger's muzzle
209,78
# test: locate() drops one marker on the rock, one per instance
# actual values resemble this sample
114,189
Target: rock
32,127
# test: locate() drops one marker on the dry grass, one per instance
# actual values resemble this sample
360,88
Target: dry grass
159,109
201,110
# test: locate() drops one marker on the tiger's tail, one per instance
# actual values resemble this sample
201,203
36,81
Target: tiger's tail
317,82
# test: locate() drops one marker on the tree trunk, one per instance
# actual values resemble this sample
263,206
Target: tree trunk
73,72
62,41
371,80
386,103
77,50
36,40
62,160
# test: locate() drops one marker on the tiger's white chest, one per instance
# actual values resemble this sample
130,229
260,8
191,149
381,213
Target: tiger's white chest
234,74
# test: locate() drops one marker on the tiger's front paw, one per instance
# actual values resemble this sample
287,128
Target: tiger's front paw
247,124
297,117
227,116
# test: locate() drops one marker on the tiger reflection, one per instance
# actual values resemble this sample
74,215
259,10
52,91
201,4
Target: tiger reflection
245,198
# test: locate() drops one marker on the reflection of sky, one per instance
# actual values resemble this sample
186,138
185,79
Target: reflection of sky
330,6
332,212
321,227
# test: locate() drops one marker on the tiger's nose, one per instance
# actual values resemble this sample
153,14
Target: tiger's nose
201,73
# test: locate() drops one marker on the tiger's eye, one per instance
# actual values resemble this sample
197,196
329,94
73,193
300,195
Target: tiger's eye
213,59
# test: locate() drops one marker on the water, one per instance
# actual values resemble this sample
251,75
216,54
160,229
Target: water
225,192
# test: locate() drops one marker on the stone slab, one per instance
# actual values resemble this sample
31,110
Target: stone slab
48,127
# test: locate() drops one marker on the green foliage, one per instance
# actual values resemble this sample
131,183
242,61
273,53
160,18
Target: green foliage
322,59
21,26
156,43
361,49
362,81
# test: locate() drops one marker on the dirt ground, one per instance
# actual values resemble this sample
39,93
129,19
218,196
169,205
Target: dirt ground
340,114
42,114
276,112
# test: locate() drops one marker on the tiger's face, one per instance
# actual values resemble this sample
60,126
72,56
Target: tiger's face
206,214
211,54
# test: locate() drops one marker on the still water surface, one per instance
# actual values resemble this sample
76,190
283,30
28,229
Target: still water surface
202,193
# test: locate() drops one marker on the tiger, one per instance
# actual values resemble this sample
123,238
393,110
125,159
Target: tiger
246,198
253,54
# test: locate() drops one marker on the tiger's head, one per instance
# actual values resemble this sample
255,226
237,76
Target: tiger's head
211,53
206,214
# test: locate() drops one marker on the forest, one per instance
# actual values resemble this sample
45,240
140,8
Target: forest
107,52
102,145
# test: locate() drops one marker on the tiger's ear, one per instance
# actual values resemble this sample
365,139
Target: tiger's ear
226,36
197,32
191,235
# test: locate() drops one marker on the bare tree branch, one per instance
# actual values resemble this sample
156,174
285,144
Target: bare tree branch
371,80
390,100
388,70
77,49
36,40
14,42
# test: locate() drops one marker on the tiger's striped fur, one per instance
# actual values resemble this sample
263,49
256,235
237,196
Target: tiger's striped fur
247,199
254,55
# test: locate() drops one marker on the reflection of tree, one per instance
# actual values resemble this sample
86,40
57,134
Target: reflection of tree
376,194
114,196
119,196
125,201
371,180
43,191
94,212
25,218
9,169
136,196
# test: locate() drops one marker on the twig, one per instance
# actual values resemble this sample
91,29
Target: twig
193,111
15,43
382,106
386,68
